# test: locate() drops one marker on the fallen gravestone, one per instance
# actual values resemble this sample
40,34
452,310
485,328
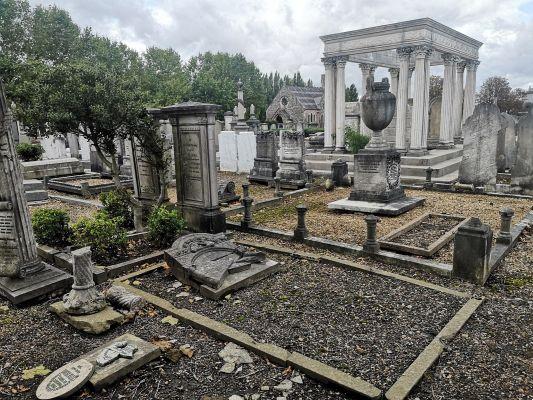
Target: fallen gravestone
226,192
65,381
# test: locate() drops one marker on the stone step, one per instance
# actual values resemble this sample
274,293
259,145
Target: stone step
328,157
435,157
36,195
322,165
33,184
440,169
448,178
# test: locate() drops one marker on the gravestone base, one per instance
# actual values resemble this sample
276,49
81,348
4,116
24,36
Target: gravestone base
368,207
33,286
95,324
263,172
205,220
292,174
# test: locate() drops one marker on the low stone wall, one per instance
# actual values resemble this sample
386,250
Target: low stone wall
51,168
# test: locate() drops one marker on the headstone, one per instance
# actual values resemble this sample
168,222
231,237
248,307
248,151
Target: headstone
25,275
478,166
292,169
339,173
214,265
73,145
66,380
266,160
522,172
246,151
97,165
196,174
54,147
500,146
228,119
434,122
227,145
510,141
226,192
471,251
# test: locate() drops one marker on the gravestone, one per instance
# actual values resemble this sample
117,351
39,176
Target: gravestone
23,275
246,151
66,380
227,150
434,122
226,192
522,172
510,141
196,174
214,265
266,160
500,146
339,173
478,166
292,171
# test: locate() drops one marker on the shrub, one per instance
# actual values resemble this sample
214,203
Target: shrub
106,237
51,227
164,225
355,141
30,152
117,204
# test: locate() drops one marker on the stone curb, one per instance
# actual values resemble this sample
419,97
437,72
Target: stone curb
77,202
117,269
482,191
414,373
348,264
275,354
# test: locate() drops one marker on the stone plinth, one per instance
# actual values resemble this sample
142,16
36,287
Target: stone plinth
51,168
266,161
196,174
292,170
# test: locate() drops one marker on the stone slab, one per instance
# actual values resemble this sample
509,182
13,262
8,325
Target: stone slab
48,280
108,374
66,380
246,151
227,150
95,324
393,208
57,167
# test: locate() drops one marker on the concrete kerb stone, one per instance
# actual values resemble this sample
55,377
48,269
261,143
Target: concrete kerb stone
414,373
450,189
275,354
74,201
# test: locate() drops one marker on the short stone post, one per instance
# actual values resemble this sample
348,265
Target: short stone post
278,192
84,298
471,252
339,169
428,184
84,188
301,232
247,202
371,245
309,178
504,236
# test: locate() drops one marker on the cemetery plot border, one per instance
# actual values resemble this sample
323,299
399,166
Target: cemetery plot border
424,236
69,184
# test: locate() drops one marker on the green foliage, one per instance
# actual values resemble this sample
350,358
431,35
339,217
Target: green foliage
497,89
164,225
117,204
51,227
351,93
310,131
106,237
29,152
355,141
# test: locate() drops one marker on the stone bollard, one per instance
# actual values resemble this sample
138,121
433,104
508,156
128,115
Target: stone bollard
301,232
504,236
247,203
278,192
471,252
84,298
371,245
428,184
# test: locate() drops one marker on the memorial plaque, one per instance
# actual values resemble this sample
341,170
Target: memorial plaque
65,381
192,165
292,171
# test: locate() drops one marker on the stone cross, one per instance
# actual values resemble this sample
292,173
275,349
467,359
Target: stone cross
18,250
115,351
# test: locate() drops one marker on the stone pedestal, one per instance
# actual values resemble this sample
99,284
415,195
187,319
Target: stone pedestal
339,173
195,155
266,161
292,171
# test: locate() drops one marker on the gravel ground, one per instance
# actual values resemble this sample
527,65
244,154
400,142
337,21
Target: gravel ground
363,324
75,212
351,228
91,182
32,336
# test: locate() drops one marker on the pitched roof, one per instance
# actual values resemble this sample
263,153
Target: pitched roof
308,97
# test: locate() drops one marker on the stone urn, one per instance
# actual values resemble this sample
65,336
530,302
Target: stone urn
378,106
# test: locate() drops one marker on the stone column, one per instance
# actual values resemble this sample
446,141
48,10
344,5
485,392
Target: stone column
402,94
504,236
417,125
470,89
410,83
446,114
425,130
367,70
329,103
371,245
458,100
301,232
340,105
394,73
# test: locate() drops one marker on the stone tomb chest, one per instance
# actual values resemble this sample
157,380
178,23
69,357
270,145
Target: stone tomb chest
214,265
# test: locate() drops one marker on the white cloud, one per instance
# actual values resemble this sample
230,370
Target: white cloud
281,35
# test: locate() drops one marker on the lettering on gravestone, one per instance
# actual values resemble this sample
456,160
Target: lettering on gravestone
66,380
192,164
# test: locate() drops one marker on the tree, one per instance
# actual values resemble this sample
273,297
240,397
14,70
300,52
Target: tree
351,93
435,86
497,90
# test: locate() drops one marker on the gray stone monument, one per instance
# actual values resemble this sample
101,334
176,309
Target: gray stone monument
266,160
510,141
522,172
292,170
478,166
196,174
501,161
241,125
339,173
23,276
376,187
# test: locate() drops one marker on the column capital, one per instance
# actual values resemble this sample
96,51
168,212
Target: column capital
422,51
472,65
394,72
329,62
404,52
370,68
448,58
341,61
460,66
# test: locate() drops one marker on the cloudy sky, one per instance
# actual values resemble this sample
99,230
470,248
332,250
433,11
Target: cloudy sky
283,35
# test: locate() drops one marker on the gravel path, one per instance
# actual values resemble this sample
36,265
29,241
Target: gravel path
363,324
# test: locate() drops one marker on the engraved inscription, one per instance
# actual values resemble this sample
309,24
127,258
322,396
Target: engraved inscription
369,166
7,228
191,165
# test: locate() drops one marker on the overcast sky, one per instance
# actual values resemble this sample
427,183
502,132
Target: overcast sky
283,35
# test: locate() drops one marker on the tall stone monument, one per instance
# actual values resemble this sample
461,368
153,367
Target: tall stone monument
376,188
196,174
23,275
266,161
478,166
292,171
510,141
241,109
522,172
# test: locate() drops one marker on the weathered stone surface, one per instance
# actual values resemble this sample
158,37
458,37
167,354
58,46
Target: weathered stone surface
478,166
66,380
522,172
226,192
58,167
95,324
123,299
227,150
339,173
116,350
233,353
292,169
106,375
510,140
266,160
